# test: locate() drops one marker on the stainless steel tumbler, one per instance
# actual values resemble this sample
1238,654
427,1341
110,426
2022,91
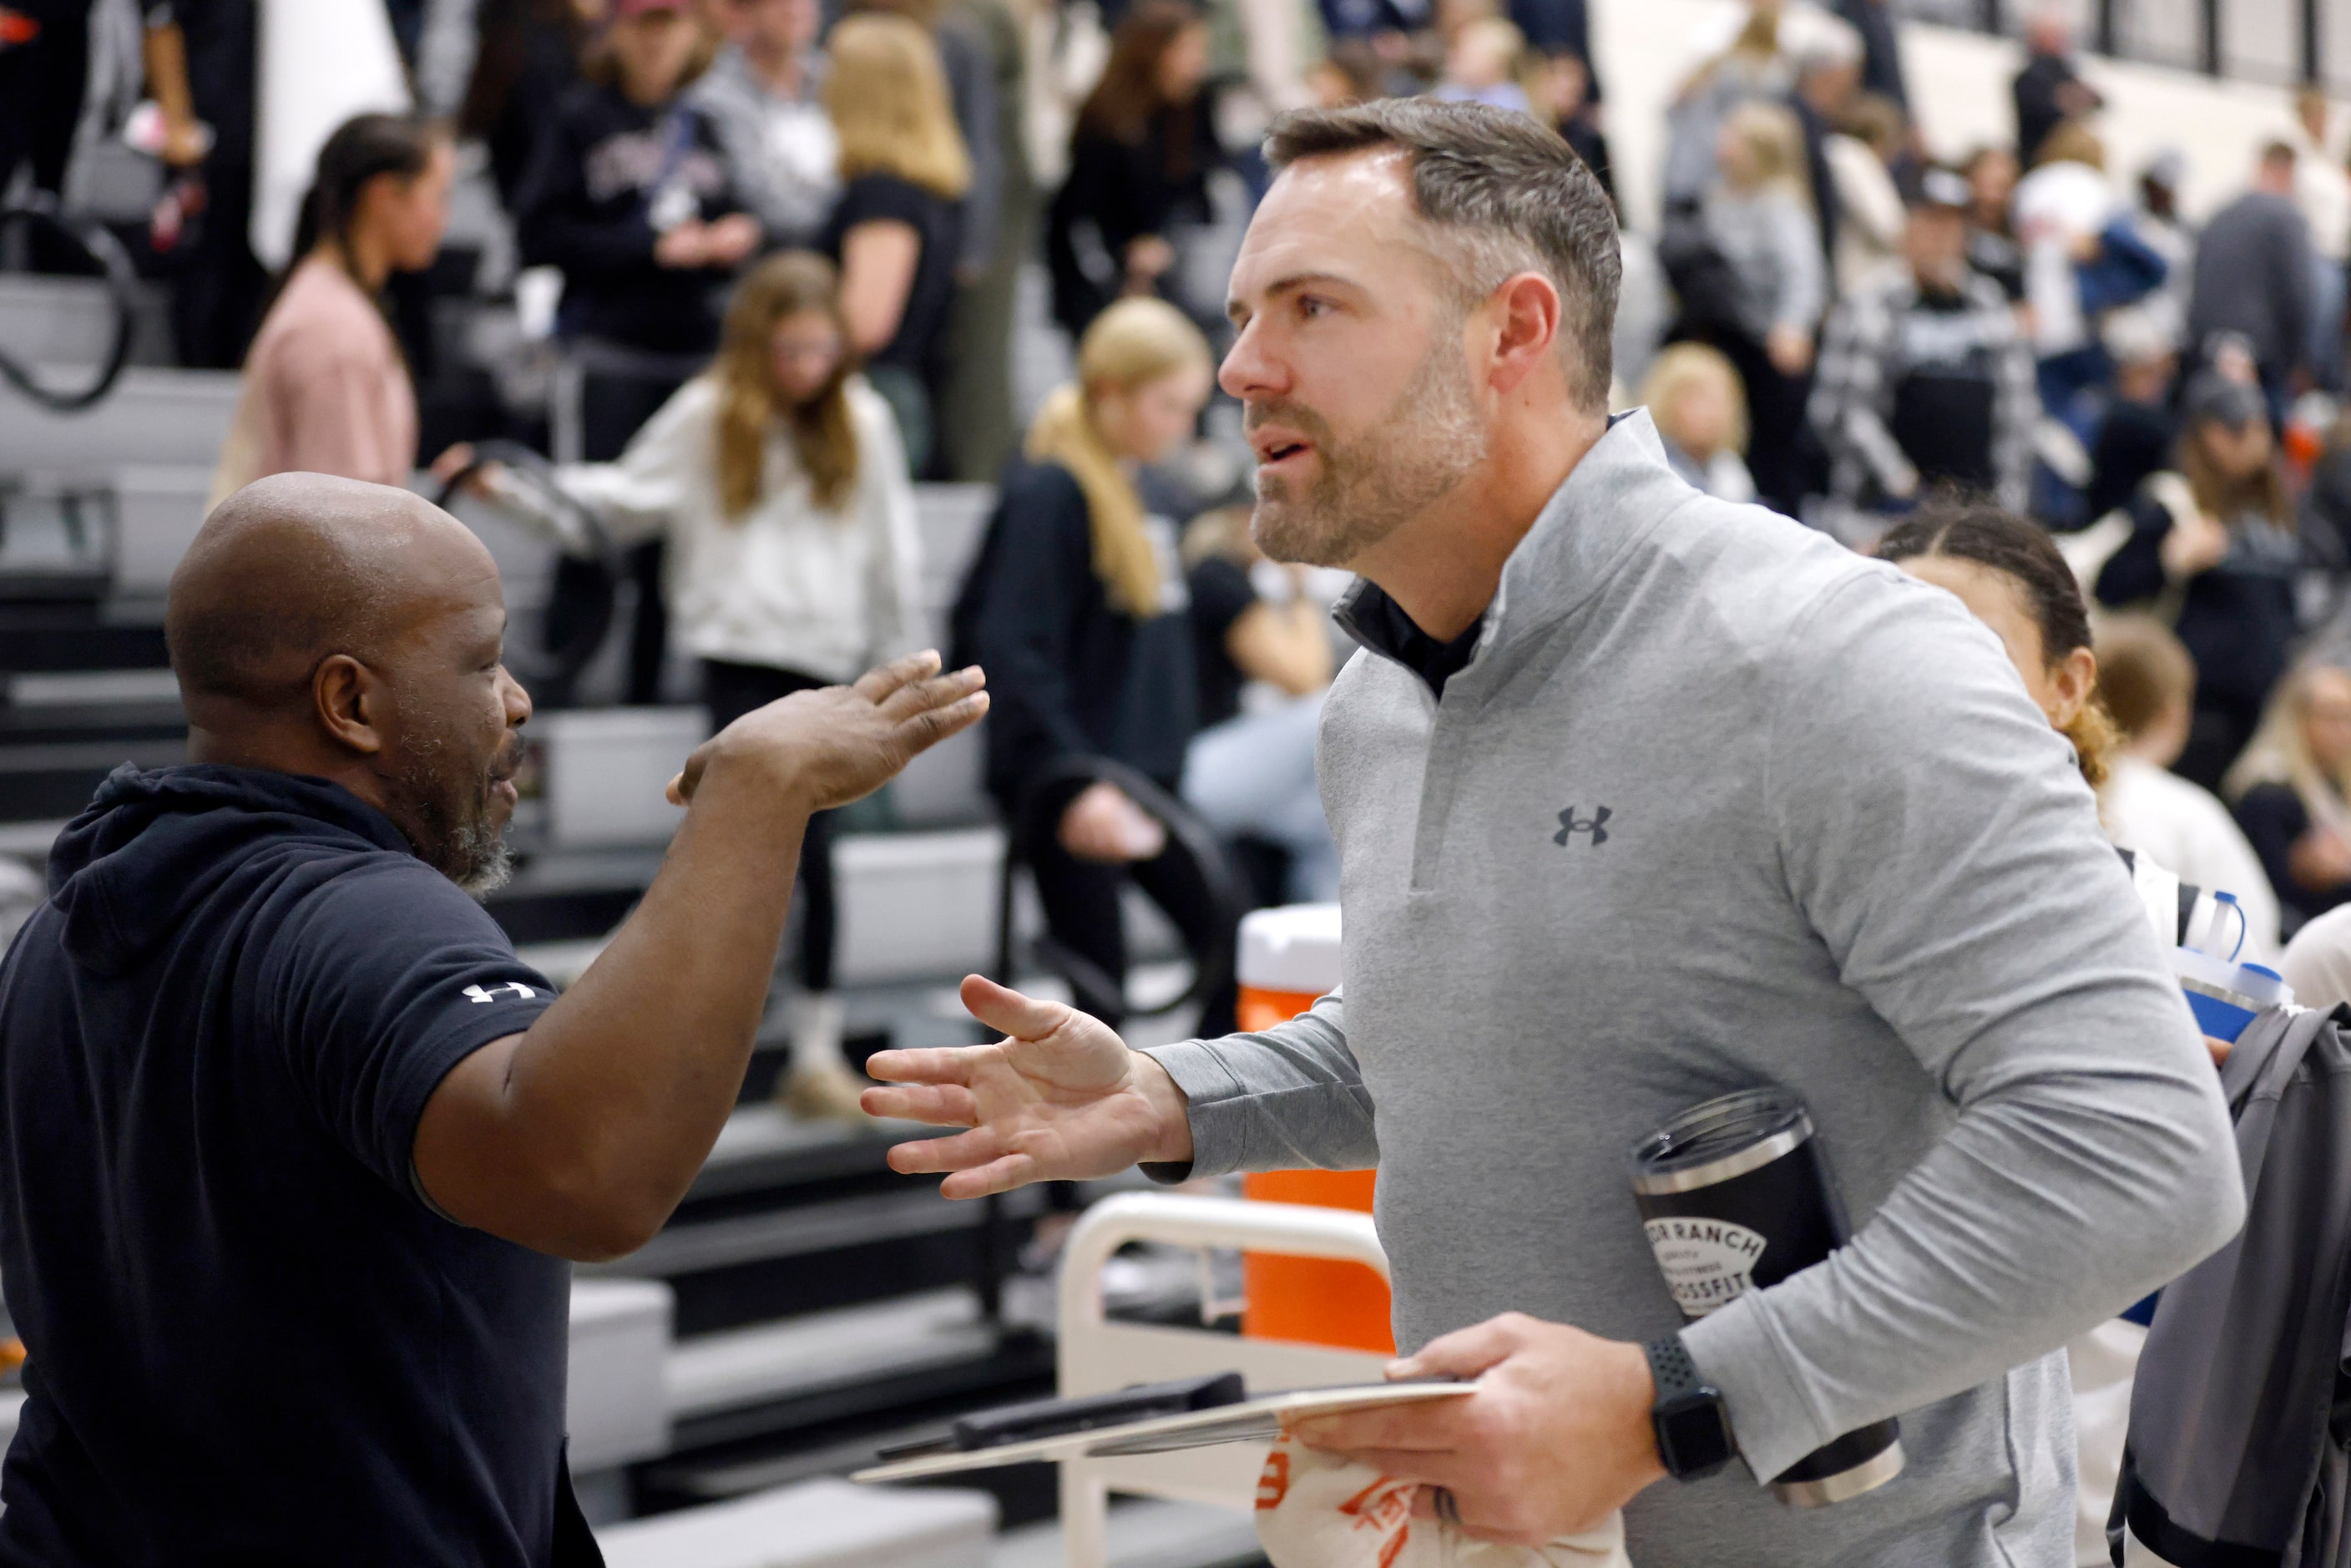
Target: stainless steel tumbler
1736,1197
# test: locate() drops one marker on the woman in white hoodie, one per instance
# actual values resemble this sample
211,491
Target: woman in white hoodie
778,478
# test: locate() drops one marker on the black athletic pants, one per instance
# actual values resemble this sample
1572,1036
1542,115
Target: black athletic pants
1080,899
41,85
731,691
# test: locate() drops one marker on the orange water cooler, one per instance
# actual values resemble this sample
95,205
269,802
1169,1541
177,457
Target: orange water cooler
1289,958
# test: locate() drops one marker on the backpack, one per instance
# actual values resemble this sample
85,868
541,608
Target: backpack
2239,1446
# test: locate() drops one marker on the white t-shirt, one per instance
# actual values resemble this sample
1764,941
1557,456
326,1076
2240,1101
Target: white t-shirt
824,592
2186,830
2317,962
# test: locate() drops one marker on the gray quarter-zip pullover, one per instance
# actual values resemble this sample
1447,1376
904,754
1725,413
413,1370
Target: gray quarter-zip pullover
1719,804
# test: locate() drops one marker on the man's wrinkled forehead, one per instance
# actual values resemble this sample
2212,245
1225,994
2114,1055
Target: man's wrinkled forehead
1348,216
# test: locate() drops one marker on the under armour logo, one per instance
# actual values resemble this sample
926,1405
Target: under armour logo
1595,824
522,993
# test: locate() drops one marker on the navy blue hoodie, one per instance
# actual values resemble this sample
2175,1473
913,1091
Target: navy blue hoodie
251,1342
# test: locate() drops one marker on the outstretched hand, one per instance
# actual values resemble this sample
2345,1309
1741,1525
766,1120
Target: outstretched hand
1061,1097
840,744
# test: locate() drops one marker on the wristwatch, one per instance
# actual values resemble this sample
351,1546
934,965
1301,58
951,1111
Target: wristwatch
1693,1429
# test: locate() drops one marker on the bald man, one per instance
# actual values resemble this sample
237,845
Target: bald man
292,1146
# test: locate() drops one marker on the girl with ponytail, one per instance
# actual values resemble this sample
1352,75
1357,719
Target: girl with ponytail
1077,608
326,389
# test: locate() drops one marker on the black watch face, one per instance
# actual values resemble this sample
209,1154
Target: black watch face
1693,1435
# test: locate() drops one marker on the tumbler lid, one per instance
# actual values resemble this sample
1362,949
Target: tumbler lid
1719,1139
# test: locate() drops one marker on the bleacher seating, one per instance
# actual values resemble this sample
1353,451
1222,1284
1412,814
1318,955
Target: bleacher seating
819,1524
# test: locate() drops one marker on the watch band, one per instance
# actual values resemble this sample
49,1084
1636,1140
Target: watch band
1693,1431
1671,1366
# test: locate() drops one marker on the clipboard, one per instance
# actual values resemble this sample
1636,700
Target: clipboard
1253,1420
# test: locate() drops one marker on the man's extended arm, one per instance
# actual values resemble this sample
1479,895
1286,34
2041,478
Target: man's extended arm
1060,1097
579,1135
1286,1098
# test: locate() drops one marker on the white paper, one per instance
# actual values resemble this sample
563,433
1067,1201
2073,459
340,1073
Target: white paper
1250,1421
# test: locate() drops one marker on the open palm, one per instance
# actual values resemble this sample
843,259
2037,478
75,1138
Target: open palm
1060,1098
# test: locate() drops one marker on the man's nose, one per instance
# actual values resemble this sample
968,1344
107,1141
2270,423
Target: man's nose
1248,367
518,701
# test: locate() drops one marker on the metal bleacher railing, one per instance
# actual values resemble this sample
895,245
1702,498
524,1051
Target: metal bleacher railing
2271,41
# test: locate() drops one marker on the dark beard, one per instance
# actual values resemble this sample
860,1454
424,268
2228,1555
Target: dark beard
452,828
1425,447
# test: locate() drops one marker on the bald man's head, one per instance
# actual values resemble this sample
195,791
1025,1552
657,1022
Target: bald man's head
299,566
354,632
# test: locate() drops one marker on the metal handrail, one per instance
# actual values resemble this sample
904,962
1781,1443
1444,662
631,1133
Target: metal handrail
1212,971
121,280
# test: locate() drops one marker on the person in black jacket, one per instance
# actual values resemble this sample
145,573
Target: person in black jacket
2136,432
526,58
202,60
2049,90
1139,163
629,195
2213,546
2292,791
1076,607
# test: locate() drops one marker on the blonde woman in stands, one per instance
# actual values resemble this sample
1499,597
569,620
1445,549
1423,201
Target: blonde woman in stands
325,388
2148,682
1694,396
777,478
1077,608
2292,788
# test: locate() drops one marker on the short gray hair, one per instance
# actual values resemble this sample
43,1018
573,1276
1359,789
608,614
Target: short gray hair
1505,194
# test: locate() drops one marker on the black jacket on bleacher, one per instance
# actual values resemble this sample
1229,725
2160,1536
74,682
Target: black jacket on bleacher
1067,673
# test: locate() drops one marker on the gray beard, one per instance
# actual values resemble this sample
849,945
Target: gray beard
484,863
461,841
1429,442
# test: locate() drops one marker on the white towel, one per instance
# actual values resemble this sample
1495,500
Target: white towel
1318,1511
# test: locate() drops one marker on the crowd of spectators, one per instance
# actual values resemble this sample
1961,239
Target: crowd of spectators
1852,323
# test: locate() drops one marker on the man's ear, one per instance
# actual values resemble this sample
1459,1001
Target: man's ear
1526,314
345,696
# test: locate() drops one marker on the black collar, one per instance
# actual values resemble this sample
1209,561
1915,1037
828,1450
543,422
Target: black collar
1380,625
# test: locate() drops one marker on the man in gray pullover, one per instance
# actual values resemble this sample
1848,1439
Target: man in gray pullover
1642,798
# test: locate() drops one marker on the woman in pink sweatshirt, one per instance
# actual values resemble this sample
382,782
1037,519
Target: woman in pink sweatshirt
326,387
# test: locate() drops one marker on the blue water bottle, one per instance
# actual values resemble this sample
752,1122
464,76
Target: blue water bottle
2224,994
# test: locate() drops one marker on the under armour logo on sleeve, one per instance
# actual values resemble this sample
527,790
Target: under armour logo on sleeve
522,993
1569,825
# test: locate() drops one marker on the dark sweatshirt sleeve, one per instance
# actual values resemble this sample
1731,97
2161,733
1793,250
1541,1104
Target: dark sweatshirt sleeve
2274,817
556,225
1042,566
379,982
2134,573
2291,252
